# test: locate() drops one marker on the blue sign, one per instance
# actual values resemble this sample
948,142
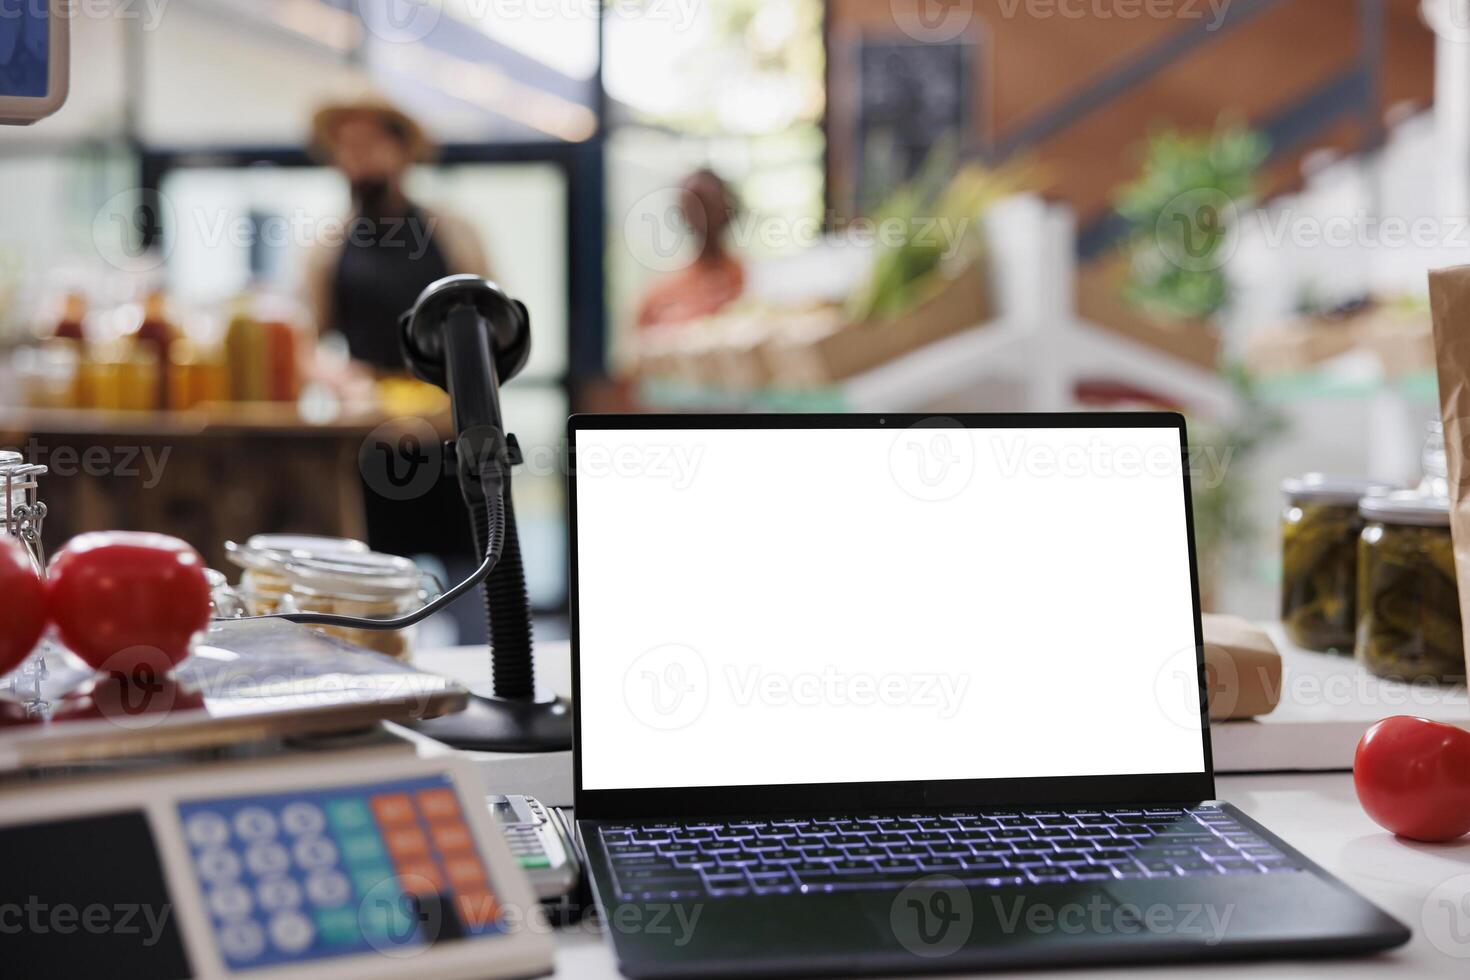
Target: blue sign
25,35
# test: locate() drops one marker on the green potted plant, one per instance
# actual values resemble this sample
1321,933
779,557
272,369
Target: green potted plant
1181,209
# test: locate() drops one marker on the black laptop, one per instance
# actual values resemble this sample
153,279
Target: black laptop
868,694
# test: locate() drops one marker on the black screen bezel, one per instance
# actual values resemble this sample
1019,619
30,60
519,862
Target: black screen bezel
666,802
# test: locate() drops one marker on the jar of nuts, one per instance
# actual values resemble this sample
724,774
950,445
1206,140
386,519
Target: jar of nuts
264,556
367,585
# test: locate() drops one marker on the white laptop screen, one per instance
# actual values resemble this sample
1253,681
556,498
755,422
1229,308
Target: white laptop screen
794,606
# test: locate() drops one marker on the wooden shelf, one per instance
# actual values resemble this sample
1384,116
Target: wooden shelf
262,418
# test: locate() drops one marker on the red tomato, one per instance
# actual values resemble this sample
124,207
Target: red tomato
122,598
1413,777
22,604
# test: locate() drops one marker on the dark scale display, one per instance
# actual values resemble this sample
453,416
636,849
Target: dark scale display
86,898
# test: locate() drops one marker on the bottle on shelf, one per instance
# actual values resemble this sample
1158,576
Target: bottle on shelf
70,325
195,376
156,333
280,355
139,369
245,353
262,348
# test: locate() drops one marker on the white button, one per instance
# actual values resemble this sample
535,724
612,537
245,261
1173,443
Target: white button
207,829
316,852
267,858
291,932
218,865
255,823
241,940
278,894
328,888
230,901
302,818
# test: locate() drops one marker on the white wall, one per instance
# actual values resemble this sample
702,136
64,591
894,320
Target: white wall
208,79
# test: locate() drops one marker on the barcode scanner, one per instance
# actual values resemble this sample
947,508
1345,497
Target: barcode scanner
465,335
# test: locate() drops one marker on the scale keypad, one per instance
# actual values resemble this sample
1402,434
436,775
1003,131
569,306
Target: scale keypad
309,875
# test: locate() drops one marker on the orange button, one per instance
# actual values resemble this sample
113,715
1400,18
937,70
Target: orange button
451,837
420,878
439,804
465,872
477,907
392,809
406,843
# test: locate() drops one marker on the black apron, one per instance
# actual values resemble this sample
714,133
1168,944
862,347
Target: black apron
384,266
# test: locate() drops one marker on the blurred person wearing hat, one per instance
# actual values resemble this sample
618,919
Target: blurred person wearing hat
715,278
393,247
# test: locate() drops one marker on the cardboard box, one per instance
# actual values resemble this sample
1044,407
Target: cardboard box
826,351
736,362
1100,302
1297,345
1402,341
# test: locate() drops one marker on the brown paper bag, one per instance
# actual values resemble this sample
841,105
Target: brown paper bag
1449,300
1243,668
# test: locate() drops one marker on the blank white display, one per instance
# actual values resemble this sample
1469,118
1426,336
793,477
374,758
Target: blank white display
796,606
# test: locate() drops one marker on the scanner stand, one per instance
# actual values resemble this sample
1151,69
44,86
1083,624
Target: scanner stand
509,716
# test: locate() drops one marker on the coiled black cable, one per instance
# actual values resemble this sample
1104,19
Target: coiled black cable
507,604
490,538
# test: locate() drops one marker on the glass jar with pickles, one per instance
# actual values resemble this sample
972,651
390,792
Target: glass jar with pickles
1320,527
1409,624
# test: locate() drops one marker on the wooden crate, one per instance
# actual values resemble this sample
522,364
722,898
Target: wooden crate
833,352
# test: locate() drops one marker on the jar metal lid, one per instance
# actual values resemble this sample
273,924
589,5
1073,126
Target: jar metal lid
14,466
1322,488
270,552
366,574
1407,507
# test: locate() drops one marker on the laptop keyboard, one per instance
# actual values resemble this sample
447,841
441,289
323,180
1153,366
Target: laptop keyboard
709,858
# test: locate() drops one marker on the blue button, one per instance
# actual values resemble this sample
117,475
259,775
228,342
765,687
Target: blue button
386,921
362,849
349,814
338,927
241,940
367,878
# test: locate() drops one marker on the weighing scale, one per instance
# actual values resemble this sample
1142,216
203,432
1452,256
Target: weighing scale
254,819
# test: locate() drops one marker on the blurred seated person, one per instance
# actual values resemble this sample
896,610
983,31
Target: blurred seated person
715,278
393,247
